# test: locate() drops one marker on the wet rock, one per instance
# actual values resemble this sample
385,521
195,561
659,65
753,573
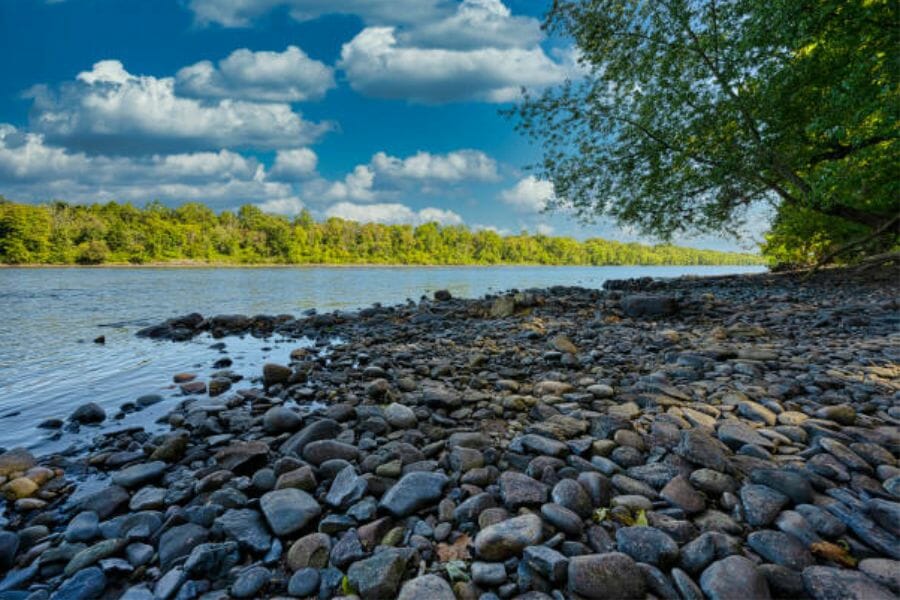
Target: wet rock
15,460
274,374
88,413
610,575
400,416
346,489
317,430
9,545
83,528
309,551
139,474
212,561
883,571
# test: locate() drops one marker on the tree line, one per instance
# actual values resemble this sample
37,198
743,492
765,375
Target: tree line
65,234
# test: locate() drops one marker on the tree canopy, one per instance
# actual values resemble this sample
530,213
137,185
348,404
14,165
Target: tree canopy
61,233
690,112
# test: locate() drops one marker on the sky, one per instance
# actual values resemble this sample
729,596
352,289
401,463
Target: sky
370,110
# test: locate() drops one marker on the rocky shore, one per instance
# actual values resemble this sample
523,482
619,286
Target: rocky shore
722,438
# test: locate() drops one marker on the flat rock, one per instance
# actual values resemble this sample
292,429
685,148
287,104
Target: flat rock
601,576
289,510
508,538
734,578
830,583
414,492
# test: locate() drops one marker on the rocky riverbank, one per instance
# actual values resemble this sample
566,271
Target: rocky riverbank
730,437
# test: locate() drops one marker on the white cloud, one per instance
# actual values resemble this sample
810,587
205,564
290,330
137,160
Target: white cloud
454,166
297,163
391,213
544,229
241,13
478,24
109,110
357,185
377,64
289,76
282,206
530,194
32,170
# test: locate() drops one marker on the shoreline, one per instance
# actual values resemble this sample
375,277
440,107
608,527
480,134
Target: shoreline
516,439
191,265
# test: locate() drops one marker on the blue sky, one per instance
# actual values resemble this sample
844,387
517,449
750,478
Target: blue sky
381,110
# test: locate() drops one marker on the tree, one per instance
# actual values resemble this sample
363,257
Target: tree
692,111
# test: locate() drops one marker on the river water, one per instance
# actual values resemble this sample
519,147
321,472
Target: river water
49,317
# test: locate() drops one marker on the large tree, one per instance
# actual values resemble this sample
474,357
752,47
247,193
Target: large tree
691,111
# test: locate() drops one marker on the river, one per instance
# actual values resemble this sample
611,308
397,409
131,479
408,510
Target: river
49,364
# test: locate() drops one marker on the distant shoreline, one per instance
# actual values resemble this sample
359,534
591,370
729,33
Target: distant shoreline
216,265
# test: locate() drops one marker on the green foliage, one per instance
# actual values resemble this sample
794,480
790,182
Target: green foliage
60,233
801,236
692,111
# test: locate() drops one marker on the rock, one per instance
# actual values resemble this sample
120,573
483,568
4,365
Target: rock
734,578
490,574
317,430
179,541
572,495
289,510
212,561
883,571
547,561
323,450
304,582
20,487
17,460
378,577
281,418
735,434
274,374
139,474
246,527
346,488
88,413
761,504
699,447
9,545
83,528
400,416
783,582
309,551
781,549
171,449
148,498
562,518
646,305
679,492
347,550
93,554
242,457
86,584
518,489
792,484
413,492
610,575
431,587
508,538
830,583
249,582
105,502
647,545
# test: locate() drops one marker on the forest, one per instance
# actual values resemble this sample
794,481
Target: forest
67,234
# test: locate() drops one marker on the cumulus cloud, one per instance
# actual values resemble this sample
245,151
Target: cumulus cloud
282,206
530,194
241,13
296,163
477,24
392,213
289,76
455,166
31,169
109,110
357,185
378,64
